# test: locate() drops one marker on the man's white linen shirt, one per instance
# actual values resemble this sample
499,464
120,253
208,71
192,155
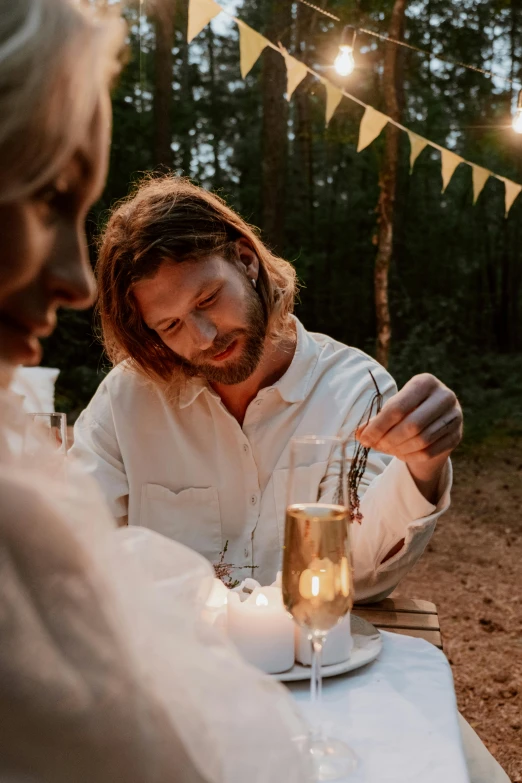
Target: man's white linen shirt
187,469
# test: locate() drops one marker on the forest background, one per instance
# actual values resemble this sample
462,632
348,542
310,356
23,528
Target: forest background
455,282
455,270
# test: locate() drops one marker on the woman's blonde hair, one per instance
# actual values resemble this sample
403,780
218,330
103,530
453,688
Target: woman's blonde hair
169,219
56,58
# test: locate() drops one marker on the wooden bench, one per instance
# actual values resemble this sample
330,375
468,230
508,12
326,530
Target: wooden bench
408,616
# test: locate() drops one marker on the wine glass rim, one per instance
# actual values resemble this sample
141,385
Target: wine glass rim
311,440
50,413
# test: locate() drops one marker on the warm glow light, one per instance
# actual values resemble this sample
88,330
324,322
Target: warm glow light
517,121
218,595
345,577
261,600
315,585
344,63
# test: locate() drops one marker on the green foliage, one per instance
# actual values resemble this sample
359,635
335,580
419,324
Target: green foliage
456,279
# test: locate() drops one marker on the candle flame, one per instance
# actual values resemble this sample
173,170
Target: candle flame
315,585
261,600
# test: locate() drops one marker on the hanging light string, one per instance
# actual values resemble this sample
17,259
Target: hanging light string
321,10
406,45
512,188
280,48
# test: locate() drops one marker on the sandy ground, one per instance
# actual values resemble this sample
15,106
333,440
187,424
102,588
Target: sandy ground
473,572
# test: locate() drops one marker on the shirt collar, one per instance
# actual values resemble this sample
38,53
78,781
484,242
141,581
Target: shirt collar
190,391
293,386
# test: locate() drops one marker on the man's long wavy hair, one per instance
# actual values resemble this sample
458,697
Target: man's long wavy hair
169,219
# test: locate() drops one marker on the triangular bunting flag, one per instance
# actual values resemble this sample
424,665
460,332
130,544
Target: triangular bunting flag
417,144
480,176
333,99
251,44
200,13
372,124
450,161
512,191
295,73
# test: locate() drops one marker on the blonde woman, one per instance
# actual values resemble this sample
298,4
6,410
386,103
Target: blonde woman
98,681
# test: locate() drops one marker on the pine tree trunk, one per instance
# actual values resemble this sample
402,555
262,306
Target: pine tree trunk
214,110
514,281
185,108
163,11
275,126
388,186
306,21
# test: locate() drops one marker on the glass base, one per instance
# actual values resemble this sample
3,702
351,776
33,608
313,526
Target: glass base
332,758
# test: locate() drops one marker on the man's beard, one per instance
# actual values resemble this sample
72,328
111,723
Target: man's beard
242,368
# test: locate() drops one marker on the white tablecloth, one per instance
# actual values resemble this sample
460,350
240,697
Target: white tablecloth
399,714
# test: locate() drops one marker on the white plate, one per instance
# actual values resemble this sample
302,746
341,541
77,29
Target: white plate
367,644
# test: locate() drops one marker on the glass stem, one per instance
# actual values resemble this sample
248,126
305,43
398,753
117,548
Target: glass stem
316,682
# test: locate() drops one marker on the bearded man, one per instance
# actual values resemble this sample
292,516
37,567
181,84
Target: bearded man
189,433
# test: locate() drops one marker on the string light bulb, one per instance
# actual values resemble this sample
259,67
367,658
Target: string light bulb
517,119
344,63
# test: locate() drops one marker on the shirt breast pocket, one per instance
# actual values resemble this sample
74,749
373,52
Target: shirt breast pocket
307,480
191,516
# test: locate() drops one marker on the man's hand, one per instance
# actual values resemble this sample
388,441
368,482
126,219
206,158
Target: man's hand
421,425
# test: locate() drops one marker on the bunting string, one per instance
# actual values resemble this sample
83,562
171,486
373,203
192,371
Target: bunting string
252,44
406,45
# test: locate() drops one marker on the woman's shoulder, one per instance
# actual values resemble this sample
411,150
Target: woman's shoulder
32,527
18,492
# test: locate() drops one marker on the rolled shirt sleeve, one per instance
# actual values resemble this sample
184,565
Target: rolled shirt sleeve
393,510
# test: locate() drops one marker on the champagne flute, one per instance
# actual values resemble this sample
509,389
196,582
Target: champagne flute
317,570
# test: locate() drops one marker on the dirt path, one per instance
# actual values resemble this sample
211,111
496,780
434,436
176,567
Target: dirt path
473,572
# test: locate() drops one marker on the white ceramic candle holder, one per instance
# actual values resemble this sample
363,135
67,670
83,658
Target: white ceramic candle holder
337,647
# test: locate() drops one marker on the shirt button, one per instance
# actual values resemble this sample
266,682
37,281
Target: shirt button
245,448
253,500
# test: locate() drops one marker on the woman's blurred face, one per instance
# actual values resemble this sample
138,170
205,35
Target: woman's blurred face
43,254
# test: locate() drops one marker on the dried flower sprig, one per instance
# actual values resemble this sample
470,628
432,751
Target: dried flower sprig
224,570
360,457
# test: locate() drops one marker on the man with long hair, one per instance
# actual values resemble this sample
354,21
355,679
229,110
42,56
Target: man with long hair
189,433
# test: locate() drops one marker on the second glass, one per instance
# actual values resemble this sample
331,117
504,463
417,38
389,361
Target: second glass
49,427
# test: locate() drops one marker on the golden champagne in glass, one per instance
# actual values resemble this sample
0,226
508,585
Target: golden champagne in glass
317,583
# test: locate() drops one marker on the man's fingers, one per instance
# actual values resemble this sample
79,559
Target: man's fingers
449,424
396,409
420,427
444,445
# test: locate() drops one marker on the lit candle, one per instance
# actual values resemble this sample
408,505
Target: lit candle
262,630
319,584
215,611
337,647
324,580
